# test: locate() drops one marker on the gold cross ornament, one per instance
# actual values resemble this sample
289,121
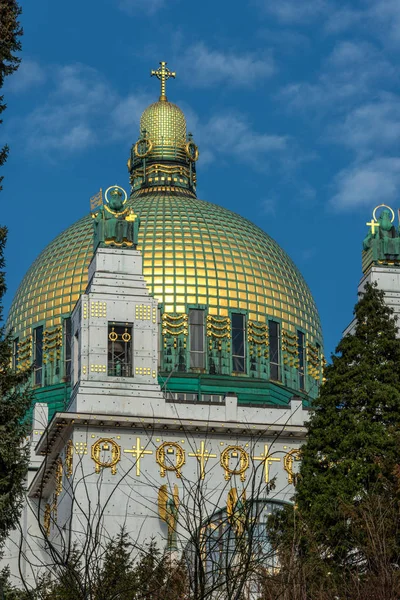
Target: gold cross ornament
138,452
202,455
373,224
163,73
267,461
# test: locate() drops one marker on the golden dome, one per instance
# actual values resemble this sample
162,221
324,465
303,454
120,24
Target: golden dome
164,123
194,253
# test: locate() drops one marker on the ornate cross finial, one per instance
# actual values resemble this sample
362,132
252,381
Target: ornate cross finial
163,73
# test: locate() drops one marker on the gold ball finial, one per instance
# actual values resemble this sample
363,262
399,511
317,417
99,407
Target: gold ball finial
163,73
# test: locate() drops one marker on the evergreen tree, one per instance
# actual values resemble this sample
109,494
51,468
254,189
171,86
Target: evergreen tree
10,44
15,399
352,447
119,572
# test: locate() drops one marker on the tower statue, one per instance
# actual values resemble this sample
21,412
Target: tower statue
115,224
383,238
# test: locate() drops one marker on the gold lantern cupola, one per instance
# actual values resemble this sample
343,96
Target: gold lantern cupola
163,159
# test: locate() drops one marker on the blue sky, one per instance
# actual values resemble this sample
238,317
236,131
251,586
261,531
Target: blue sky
294,104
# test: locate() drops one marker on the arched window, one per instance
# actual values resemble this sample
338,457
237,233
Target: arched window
228,539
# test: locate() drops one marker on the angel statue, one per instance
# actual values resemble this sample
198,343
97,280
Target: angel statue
236,512
168,511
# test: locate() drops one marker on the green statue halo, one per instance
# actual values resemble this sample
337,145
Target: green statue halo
115,187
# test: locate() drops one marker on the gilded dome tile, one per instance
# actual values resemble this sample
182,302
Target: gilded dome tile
194,252
164,122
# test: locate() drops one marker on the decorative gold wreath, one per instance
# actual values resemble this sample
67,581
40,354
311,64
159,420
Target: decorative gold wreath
180,458
149,144
196,151
244,462
115,455
288,460
126,336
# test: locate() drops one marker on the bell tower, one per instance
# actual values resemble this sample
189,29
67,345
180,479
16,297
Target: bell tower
115,330
381,258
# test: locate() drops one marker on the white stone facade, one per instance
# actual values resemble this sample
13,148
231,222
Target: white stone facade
121,439
388,280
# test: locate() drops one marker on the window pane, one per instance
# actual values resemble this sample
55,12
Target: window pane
197,339
274,350
301,357
238,343
196,316
38,354
67,349
15,354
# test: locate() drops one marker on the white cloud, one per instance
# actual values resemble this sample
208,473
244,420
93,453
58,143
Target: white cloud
81,110
67,120
295,11
371,182
348,75
132,7
286,40
377,18
370,127
206,67
387,14
126,114
79,137
340,20
29,74
232,135
82,86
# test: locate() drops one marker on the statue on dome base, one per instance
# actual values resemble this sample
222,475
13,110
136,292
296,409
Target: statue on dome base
115,225
383,237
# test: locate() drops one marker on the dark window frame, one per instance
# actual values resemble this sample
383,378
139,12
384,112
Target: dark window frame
274,353
67,342
301,357
319,350
37,336
197,338
239,355
120,349
15,354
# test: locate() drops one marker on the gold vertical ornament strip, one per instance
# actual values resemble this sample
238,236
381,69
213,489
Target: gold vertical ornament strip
69,453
